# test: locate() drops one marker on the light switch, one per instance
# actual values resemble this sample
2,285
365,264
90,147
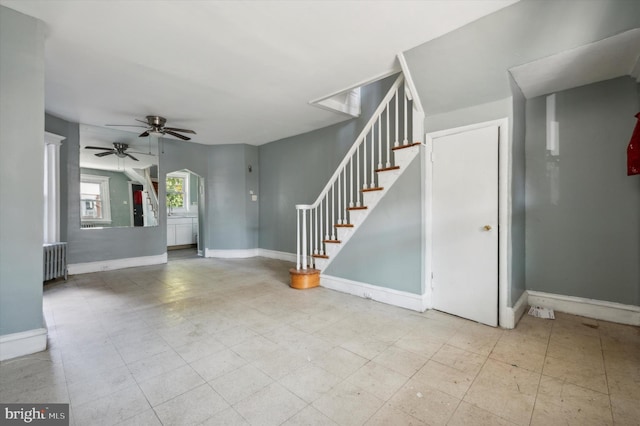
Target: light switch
254,198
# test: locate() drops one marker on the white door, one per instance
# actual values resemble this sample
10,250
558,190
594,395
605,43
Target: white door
465,224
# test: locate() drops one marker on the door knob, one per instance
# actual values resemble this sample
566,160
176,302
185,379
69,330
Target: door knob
487,227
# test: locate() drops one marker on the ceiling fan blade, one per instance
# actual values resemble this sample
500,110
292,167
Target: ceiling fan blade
132,157
102,154
173,129
141,153
143,134
142,121
177,135
97,147
124,125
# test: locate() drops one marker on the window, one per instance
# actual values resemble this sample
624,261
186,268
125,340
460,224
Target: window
94,199
178,191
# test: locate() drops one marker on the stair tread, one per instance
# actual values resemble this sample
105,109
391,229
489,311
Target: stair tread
332,241
320,256
344,225
357,208
395,148
386,169
377,188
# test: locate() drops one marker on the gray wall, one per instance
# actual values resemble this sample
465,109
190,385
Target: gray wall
469,66
583,212
518,206
386,249
294,170
21,171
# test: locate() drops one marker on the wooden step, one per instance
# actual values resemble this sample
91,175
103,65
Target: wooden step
357,208
332,241
344,225
320,256
378,188
395,148
386,169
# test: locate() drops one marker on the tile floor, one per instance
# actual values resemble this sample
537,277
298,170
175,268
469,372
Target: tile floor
227,342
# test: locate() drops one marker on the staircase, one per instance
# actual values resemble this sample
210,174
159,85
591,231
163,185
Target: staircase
386,146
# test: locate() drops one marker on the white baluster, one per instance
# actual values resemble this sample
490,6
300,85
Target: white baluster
333,212
339,199
380,142
406,118
397,143
373,155
358,175
388,141
326,222
364,163
351,183
344,182
304,239
297,239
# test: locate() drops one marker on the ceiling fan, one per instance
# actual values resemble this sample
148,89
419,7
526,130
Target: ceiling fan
156,124
119,149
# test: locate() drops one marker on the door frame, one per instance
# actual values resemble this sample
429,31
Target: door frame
504,213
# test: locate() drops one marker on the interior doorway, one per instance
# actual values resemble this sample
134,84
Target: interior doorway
185,203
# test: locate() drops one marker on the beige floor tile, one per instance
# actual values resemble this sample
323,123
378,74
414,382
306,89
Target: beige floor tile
459,359
146,418
347,404
401,361
192,407
476,338
506,391
533,327
217,364
445,379
101,384
198,349
155,365
388,415
468,414
112,409
568,338
378,380
589,374
271,405
309,416
310,383
564,403
340,362
255,348
424,403
240,383
283,361
366,347
522,351
425,346
168,385
626,410
228,417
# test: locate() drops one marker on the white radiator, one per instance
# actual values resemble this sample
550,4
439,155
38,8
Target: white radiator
55,261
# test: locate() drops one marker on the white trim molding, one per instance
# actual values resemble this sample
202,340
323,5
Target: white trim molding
280,255
590,308
23,343
109,265
512,315
402,299
231,254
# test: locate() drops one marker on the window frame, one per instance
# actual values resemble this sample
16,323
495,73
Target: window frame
185,191
103,181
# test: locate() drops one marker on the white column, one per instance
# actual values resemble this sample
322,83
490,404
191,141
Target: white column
52,187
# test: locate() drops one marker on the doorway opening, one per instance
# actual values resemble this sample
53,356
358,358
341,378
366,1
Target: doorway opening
185,203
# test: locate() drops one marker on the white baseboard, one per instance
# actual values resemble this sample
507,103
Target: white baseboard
108,265
513,314
415,302
231,254
591,308
23,343
280,255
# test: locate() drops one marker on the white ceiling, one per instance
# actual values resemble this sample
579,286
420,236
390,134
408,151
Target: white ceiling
609,58
234,71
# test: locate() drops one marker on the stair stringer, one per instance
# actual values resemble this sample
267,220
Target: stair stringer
386,179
